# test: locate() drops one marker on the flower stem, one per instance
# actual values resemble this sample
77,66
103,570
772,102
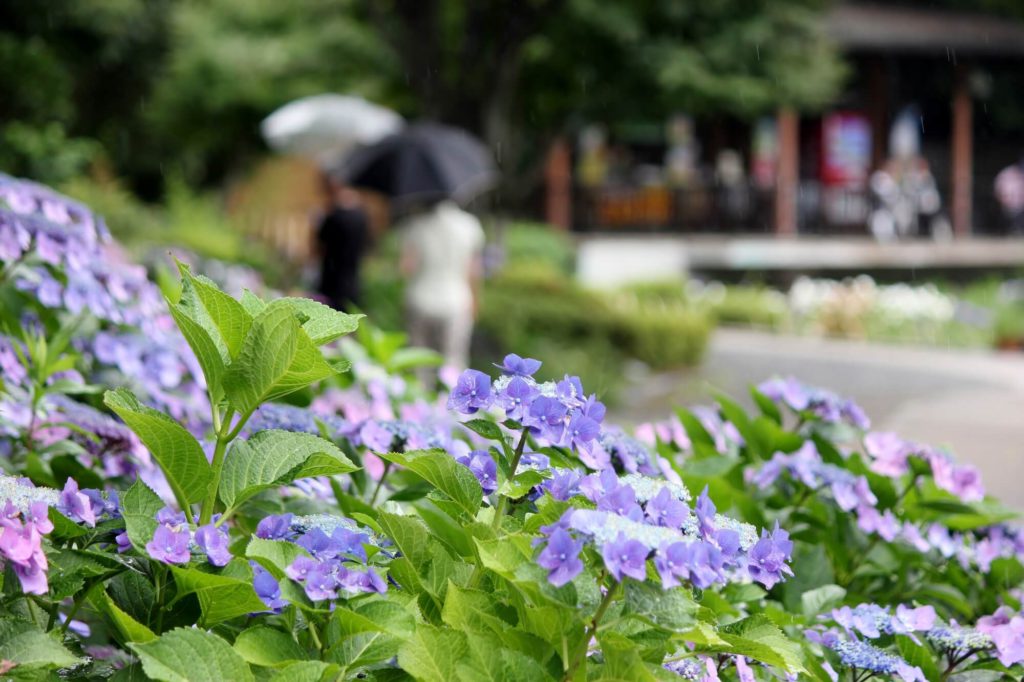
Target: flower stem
211,492
591,630
499,509
380,483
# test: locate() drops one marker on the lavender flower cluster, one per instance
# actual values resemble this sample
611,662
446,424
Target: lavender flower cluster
638,518
336,562
24,520
58,252
556,413
822,404
1002,633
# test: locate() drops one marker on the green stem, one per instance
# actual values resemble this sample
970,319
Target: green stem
591,630
211,492
380,483
315,636
499,509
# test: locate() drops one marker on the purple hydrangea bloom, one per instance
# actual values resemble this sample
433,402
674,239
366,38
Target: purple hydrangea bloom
581,432
76,505
622,501
769,556
484,468
322,581
665,510
517,366
563,484
561,557
267,588
516,398
123,542
625,557
299,569
170,517
375,436
704,562
319,544
214,543
471,393
547,418
169,546
350,542
705,509
671,563
274,527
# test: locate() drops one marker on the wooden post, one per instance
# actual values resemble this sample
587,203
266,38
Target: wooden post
558,181
787,176
878,109
962,153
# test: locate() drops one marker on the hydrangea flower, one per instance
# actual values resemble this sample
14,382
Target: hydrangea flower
517,366
170,546
769,557
483,467
560,557
213,541
472,392
625,557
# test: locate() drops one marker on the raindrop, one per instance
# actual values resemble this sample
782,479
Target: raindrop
758,48
922,124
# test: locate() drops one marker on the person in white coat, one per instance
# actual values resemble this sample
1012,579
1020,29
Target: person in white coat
441,260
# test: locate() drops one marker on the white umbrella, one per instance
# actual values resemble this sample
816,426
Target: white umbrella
326,127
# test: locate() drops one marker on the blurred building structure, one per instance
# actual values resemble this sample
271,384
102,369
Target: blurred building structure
796,175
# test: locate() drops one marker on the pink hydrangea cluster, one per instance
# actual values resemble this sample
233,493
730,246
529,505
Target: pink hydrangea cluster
21,539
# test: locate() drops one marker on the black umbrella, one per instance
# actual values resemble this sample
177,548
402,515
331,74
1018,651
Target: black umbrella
424,162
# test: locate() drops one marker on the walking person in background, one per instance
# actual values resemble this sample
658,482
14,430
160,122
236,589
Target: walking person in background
441,261
1009,191
342,239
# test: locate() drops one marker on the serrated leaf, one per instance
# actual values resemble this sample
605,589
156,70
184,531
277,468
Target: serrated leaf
212,360
179,454
220,597
323,324
252,303
268,647
376,616
264,359
306,671
497,664
130,629
442,471
139,506
672,610
821,599
274,457
431,654
21,642
364,649
758,638
485,428
274,555
229,318
190,655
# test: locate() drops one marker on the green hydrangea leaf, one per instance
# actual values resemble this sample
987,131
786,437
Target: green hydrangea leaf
130,629
229,319
306,671
179,454
275,457
274,555
264,359
23,643
673,610
221,597
441,470
432,654
498,664
139,506
758,638
322,323
190,655
268,647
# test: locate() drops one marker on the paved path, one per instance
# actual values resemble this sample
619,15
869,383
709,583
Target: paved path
970,401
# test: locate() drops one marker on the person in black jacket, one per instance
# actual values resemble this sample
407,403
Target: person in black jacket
342,238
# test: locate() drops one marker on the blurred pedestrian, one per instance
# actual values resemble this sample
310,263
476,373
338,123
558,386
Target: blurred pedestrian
342,239
1009,191
441,260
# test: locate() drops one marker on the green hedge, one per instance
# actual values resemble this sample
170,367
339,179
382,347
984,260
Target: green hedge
537,311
